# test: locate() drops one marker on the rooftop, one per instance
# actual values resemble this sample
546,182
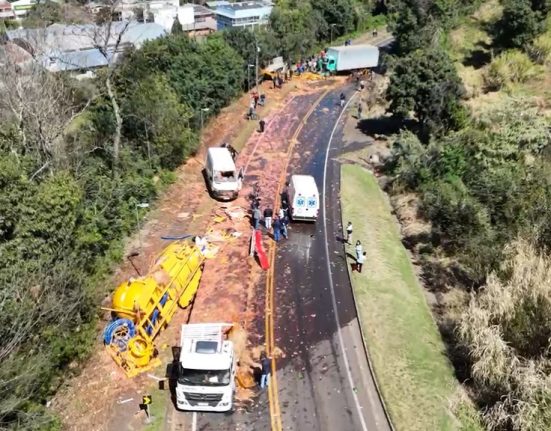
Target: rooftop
246,5
86,36
199,10
71,47
221,159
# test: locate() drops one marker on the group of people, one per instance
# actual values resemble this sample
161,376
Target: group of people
315,63
361,255
278,223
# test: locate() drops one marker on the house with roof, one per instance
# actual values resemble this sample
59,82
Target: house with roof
6,10
61,47
241,14
204,21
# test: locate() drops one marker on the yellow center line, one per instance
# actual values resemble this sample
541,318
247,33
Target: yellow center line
273,392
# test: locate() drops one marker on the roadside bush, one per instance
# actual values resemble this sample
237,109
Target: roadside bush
456,216
540,51
511,67
506,330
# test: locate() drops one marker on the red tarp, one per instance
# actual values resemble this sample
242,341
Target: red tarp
262,257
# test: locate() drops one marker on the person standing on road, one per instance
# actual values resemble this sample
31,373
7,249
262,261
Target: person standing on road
285,195
360,261
284,229
359,249
284,213
360,111
343,99
261,126
277,229
266,365
256,217
268,214
349,229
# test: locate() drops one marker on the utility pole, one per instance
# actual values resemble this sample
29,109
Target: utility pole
332,27
257,51
256,61
139,205
249,76
203,110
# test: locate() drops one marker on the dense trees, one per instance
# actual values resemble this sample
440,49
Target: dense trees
426,82
483,185
202,75
65,211
518,25
484,188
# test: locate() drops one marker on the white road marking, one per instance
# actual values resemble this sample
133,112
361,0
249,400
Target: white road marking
333,296
194,422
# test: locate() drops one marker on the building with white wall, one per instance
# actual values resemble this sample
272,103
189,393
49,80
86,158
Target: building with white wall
242,14
6,10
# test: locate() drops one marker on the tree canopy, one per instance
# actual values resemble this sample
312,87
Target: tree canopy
426,82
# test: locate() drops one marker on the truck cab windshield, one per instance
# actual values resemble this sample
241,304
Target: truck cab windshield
224,176
189,376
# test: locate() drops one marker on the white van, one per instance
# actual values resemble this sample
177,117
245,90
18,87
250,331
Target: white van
304,198
223,179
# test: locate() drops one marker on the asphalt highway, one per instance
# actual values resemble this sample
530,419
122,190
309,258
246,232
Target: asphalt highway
324,381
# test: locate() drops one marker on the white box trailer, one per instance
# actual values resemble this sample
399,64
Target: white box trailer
343,58
207,367
304,198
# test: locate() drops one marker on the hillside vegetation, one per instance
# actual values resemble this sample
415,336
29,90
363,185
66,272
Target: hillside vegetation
416,379
478,157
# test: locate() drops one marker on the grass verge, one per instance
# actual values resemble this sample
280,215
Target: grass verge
409,359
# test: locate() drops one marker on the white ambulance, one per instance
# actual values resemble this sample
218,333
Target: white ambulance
304,200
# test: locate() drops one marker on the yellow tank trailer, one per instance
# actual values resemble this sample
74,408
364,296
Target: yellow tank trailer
142,307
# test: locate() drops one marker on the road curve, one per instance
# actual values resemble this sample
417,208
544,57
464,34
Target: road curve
324,381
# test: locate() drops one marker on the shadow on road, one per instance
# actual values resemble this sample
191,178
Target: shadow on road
172,374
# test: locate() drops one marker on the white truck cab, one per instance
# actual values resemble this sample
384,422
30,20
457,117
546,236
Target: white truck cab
223,179
207,367
304,198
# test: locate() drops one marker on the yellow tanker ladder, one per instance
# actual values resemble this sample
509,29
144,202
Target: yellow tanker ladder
142,307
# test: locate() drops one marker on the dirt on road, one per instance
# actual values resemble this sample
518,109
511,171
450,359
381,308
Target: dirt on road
101,397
